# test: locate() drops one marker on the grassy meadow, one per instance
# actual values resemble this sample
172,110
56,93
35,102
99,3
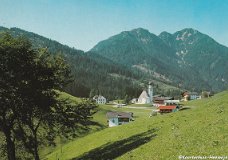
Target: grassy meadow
199,129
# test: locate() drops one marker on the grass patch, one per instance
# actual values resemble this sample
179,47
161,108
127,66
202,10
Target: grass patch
200,130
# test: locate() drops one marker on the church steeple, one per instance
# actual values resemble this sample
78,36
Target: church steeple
150,92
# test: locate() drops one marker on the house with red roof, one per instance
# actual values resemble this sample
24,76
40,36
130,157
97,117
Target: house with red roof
168,109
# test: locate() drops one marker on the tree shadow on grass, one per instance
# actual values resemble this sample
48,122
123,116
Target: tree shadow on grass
118,148
185,108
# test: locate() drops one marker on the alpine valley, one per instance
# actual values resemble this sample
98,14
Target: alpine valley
123,64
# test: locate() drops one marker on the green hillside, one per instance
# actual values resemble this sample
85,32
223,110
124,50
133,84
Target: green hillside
199,129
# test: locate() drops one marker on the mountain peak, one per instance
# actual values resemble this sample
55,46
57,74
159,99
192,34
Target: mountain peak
143,34
185,34
139,30
165,34
189,30
136,31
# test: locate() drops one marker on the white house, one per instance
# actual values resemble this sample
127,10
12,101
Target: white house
100,99
118,118
146,97
171,102
191,96
134,100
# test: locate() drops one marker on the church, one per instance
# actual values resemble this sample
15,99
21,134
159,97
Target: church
146,97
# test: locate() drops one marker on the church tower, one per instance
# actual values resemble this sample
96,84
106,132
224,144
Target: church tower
150,92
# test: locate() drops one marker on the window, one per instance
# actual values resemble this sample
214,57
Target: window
123,119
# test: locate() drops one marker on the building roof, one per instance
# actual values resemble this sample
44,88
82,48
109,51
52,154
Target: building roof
162,98
190,93
193,93
167,107
119,114
98,96
144,94
159,95
172,101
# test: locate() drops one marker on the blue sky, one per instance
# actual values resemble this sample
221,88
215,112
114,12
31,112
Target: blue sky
83,23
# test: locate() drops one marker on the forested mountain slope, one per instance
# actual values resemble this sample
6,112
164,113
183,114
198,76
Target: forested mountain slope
202,54
186,58
124,63
91,72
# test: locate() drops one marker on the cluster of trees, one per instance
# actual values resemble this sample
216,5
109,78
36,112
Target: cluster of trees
30,111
